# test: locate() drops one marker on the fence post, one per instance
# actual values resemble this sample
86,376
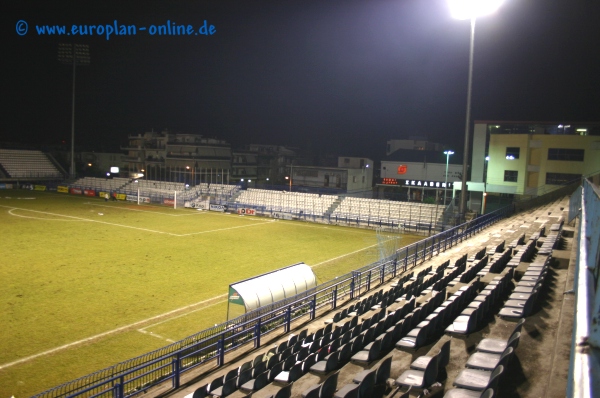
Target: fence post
288,319
257,334
416,254
369,281
119,388
395,270
313,307
382,273
176,370
221,350
334,301
406,259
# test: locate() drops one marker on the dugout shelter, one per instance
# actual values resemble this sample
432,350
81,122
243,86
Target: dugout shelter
268,288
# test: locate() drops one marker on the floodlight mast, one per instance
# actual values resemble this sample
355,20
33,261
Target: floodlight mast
470,9
447,153
73,54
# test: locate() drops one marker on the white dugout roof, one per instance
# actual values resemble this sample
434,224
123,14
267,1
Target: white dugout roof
273,286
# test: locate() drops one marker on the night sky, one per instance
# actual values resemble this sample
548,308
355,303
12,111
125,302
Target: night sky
338,76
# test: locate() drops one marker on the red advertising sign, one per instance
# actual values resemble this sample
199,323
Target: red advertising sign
402,169
76,191
89,192
248,212
169,202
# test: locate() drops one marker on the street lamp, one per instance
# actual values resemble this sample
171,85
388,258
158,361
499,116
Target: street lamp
470,9
73,54
447,153
291,174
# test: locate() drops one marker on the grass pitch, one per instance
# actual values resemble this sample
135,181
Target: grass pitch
88,283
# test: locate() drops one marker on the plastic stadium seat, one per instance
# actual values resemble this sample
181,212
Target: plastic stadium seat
444,358
487,361
228,388
285,392
324,390
216,383
497,346
478,380
327,365
464,393
362,390
381,374
255,384
200,392
420,378
288,377
364,357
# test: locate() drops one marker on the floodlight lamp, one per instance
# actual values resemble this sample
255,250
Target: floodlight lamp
470,9
267,178
249,180
487,158
367,166
89,165
510,157
241,179
287,178
448,152
187,167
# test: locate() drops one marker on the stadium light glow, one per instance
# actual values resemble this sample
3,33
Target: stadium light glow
469,9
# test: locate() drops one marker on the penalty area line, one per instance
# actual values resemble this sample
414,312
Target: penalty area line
162,213
100,335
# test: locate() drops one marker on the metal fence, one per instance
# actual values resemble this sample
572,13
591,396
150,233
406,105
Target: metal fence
584,375
168,364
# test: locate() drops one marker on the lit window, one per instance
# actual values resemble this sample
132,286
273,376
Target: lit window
512,153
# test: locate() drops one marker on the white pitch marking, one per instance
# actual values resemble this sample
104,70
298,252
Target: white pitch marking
143,330
158,336
144,211
225,229
96,221
97,336
34,218
343,255
138,228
